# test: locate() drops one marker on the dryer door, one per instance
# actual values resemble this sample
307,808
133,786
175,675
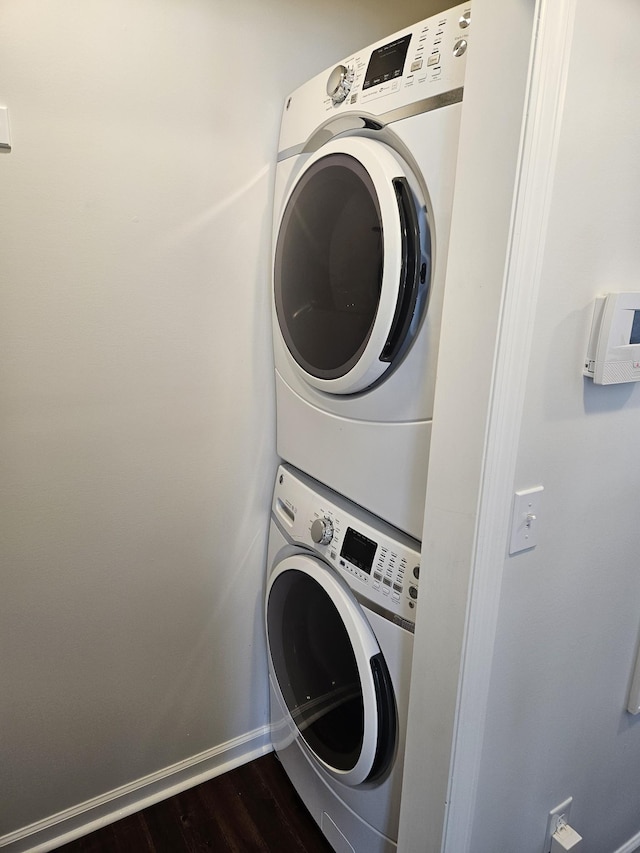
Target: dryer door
330,671
351,264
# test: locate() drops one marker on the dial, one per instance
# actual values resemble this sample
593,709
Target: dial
322,531
339,83
460,47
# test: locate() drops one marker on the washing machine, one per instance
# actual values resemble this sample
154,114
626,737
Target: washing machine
363,198
340,604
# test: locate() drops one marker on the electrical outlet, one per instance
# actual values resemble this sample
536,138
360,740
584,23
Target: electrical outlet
5,139
556,816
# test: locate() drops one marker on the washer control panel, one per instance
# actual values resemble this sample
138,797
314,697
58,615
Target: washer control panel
380,563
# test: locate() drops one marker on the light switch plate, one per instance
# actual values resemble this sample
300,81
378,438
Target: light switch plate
5,139
525,519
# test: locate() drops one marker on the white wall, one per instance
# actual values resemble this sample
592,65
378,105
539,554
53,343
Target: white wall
138,419
569,618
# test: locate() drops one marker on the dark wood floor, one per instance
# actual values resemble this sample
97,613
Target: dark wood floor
253,809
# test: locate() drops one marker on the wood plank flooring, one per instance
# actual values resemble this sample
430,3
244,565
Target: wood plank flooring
252,809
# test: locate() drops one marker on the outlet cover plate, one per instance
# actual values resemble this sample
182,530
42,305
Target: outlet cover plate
561,812
5,139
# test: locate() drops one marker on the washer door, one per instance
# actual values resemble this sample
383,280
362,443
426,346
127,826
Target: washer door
330,670
350,264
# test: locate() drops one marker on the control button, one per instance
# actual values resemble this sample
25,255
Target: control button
416,572
434,59
386,581
377,576
460,47
376,585
395,596
385,590
465,20
417,65
397,587
413,592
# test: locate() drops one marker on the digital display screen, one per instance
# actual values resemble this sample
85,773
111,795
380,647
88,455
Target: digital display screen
386,63
359,550
635,328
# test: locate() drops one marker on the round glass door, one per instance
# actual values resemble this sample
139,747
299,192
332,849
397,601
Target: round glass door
328,267
349,265
330,670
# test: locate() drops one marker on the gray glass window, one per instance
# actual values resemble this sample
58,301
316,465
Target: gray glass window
316,668
328,266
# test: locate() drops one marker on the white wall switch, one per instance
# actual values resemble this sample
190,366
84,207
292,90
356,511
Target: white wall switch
5,139
525,519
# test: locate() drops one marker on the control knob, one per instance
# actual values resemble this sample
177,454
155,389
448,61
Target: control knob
339,83
460,47
322,531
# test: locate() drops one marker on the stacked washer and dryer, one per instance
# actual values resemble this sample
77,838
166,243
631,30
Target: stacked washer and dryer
363,196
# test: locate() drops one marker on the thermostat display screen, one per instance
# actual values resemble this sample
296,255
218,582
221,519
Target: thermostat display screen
613,353
359,550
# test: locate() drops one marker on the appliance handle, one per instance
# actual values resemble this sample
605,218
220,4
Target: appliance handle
411,275
387,717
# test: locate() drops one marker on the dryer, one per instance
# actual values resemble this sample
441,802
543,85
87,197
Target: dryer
363,197
340,605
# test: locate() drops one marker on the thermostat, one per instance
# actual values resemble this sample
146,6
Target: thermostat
613,354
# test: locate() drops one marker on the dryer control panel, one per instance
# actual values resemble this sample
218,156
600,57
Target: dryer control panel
380,563
412,71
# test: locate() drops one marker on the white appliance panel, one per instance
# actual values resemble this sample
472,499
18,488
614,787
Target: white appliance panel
371,441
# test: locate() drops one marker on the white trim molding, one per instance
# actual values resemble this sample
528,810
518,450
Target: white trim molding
548,71
72,823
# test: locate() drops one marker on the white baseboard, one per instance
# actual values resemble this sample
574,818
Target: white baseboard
631,845
72,823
